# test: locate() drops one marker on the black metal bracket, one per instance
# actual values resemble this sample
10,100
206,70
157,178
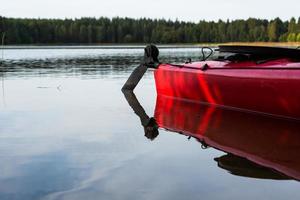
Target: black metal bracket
151,57
150,61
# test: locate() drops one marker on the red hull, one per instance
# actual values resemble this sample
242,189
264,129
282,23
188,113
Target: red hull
272,87
267,141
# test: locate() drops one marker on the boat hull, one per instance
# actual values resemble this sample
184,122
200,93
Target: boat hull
265,89
264,140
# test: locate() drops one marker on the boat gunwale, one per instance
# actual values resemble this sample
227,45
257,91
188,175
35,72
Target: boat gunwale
229,68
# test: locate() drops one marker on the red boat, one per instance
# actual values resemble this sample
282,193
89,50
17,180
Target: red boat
256,79
267,141
204,99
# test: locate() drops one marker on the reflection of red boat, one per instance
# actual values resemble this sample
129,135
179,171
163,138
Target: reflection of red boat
257,79
267,141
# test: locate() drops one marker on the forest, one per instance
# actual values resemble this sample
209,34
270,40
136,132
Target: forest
126,30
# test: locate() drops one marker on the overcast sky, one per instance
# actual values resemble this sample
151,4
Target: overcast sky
187,10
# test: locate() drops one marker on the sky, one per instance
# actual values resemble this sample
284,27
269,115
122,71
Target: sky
185,10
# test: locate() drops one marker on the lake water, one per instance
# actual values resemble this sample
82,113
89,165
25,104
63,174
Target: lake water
68,132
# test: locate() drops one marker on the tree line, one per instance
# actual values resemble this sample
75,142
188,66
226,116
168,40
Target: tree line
127,30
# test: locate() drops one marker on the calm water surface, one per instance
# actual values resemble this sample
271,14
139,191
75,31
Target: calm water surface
67,132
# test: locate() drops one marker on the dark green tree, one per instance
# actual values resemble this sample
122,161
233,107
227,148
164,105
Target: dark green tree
127,30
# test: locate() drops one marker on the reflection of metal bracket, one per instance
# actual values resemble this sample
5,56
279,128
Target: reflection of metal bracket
149,124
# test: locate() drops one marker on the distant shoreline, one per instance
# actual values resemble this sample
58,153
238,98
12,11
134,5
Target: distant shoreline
110,46
141,46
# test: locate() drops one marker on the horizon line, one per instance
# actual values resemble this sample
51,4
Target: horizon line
148,18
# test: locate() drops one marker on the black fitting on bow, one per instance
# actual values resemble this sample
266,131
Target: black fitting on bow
151,56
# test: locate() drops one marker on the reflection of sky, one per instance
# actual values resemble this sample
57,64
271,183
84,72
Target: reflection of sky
83,141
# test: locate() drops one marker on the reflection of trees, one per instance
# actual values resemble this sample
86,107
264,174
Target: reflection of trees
94,65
